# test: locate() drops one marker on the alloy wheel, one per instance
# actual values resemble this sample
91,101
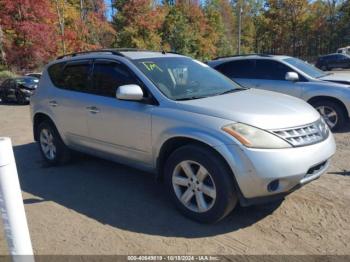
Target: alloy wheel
194,186
47,144
329,115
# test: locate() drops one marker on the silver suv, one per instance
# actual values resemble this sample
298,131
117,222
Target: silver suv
294,77
213,142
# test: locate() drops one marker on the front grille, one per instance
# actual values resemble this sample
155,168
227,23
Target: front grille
304,135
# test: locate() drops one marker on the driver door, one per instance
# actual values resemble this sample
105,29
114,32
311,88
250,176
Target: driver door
270,75
118,127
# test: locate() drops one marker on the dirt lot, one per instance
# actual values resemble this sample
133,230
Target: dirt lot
97,207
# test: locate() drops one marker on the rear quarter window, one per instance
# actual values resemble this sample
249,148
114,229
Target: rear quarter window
55,73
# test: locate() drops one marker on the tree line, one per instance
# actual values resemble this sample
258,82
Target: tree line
32,32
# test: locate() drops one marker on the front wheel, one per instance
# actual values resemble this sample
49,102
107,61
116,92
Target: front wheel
52,147
332,114
200,184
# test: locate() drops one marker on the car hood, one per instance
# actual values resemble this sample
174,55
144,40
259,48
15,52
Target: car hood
342,78
263,109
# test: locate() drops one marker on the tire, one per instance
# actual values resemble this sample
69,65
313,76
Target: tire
58,153
218,178
327,109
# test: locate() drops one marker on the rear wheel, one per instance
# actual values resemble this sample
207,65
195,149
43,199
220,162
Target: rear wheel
332,113
200,184
53,149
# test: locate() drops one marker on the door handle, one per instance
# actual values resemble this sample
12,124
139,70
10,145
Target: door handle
53,103
93,109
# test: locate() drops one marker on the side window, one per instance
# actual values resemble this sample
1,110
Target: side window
76,76
271,70
108,75
238,69
55,73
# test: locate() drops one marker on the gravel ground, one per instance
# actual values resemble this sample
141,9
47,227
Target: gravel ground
94,206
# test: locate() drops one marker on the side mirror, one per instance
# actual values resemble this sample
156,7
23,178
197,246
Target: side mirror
129,92
292,76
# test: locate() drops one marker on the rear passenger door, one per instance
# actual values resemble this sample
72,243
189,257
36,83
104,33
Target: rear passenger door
118,127
241,71
68,101
270,75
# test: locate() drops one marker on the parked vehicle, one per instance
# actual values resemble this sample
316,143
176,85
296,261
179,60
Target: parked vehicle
213,142
290,76
18,89
344,50
331,61
37,75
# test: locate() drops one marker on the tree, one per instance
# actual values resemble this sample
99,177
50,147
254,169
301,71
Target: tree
138,24
216,11
26,26
185,30
2,52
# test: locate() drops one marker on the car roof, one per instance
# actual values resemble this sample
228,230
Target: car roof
221,60
131,54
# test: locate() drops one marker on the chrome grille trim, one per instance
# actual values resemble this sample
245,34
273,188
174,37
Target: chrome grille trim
304,135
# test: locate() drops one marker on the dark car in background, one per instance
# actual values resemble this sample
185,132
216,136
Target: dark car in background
18,89
331,61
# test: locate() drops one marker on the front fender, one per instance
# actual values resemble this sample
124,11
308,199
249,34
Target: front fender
209,138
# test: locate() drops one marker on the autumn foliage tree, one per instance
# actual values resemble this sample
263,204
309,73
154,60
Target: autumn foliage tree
137,24
82,25
26,25
33,32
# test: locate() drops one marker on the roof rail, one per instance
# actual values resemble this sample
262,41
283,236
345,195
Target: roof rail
228,56
112,51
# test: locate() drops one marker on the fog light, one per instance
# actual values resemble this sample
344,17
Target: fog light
273,185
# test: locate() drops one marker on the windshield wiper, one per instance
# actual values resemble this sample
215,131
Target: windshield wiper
232,91
190,98
218,94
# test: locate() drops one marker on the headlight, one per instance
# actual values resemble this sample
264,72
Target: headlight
323,127
254,137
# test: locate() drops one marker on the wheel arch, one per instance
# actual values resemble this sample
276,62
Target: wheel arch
329,98
173,143
37,119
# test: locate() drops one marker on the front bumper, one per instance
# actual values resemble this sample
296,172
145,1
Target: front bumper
255,169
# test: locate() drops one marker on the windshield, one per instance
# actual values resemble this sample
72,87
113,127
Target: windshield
27,81
181,78
305,67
